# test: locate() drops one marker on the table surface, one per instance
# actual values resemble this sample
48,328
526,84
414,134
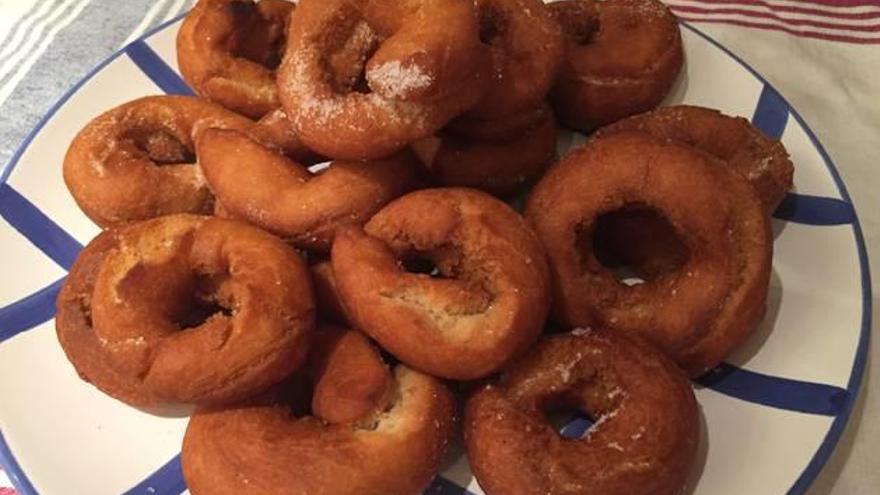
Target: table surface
823,55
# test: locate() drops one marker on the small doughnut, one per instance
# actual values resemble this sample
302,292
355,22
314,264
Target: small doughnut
137,161
643,441
193,309
714,215
623,57
527,47
498,167
378,432
734,140
263,187
486,302
228,50
331,41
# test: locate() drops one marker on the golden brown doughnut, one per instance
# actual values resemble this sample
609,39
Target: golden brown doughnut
486,304
623,57
527,47
137,161
228,50
497,167
430,45
193,309
402,424
734,140
643,441
265,188
715,214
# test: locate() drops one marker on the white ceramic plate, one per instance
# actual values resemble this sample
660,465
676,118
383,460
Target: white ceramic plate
772,414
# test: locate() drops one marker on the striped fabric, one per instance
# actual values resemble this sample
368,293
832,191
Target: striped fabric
47,45
851,21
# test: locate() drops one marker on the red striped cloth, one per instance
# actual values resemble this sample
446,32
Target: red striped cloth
851,21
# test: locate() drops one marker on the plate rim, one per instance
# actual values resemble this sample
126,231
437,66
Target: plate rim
831,439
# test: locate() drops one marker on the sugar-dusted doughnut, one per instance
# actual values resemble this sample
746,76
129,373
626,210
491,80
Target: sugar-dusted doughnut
485,303
264,187
189,309
716,215
138,161
623,57
643,440
527,46
424,65
368,431
228,50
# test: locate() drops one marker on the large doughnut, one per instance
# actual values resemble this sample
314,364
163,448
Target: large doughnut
527,47
643,441
137,161
329,44
623,57
486,303
228,50
194,309
734,140
378,433
498,167
715,214
263,187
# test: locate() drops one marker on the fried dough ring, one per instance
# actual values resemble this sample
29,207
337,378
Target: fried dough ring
137,161
227,51
329,42
265,188
527,48
744,148
643,442
623,57
501,168
194,309
718,219
489,304
372,432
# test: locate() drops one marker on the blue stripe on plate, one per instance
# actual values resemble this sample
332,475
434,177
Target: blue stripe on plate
815,210
29,312
442,486
167,480
156,69
576,427
771,114
21,483
37,227
781,393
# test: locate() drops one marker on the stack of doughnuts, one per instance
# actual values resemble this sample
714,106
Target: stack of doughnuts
316,248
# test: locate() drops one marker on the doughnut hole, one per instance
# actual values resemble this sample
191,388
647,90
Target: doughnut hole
162,147
261,38
421,263
637,243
